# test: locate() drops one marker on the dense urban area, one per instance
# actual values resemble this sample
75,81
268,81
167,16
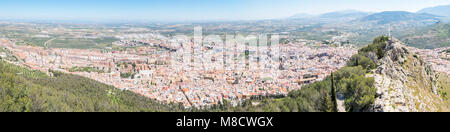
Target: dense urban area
366,62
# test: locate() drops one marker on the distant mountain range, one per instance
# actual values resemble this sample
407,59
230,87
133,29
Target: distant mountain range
438,10
301,16
345,15
432,14
429,37
399,16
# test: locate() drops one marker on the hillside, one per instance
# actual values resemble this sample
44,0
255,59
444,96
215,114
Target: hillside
23,90
301,16
443,84
343,15
429,37
405,83
438,10
331,17
388,17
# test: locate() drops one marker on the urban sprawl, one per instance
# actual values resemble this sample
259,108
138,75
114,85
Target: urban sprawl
198,72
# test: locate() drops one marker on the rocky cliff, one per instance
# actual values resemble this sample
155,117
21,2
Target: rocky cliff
404,82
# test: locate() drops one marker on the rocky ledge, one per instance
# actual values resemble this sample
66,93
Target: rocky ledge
404,82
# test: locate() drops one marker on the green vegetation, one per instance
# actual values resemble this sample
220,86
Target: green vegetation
85,69
23,90
360,60
8,55
430,37
444,89
74,43
378,46
81,43
357,89
32,41
367,56
127,75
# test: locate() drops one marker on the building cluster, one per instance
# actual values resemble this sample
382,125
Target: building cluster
439,58
162,70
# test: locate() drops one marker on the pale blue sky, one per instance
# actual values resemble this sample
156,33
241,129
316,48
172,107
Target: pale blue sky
175,10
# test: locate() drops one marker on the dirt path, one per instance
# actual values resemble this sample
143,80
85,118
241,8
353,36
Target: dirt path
46,43
341,103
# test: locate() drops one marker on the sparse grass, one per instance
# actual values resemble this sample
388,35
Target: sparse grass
421,88
444,89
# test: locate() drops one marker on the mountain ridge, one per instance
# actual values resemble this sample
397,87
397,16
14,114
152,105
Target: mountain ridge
443,10
388,17
404,82
343,15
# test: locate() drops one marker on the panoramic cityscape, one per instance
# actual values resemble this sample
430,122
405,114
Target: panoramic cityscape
225,56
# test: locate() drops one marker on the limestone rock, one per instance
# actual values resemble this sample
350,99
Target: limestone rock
404,83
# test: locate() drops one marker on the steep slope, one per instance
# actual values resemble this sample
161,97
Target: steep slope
404,82
444,89
23,90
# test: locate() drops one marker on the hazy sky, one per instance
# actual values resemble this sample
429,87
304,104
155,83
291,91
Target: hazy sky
175,10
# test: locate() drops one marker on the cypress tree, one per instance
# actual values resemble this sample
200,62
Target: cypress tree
333,94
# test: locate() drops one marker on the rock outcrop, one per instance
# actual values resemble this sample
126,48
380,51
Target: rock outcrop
404,82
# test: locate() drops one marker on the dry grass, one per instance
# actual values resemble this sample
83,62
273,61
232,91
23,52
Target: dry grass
444,88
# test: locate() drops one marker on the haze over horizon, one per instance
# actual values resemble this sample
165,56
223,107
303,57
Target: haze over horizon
195,10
